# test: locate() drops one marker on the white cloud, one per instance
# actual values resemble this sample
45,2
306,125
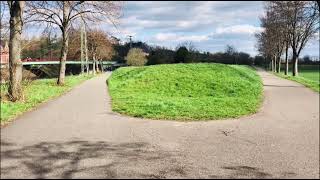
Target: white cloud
189,16
127,32
211,25
185,24
239,29
175,37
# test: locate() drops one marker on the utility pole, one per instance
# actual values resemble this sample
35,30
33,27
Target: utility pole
130,37
49,45
84,37
86,50
82,48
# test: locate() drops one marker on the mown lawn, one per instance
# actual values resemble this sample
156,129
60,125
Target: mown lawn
36,92
186,91
310,72
309,76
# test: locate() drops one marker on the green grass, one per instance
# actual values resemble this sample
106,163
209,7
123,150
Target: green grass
310,72
186,91
309,76
36,92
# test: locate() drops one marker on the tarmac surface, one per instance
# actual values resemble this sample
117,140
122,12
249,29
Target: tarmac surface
78,136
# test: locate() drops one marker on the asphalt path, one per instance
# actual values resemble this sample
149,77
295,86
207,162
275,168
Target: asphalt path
78,136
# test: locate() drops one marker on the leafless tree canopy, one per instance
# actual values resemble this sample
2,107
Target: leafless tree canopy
288,23
230,50
64,14
90,11
188,44
4,20
99,45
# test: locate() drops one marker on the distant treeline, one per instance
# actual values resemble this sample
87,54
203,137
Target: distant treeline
49,47
186,53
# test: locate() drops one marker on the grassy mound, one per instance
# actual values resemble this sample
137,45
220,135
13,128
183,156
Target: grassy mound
186,91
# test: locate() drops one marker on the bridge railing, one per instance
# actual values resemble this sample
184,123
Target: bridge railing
39,59
67,62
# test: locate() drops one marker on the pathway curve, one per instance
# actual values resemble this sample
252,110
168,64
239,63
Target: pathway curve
78,136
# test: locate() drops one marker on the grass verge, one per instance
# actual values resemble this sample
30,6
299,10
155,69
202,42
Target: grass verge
35,93
186,91
308,82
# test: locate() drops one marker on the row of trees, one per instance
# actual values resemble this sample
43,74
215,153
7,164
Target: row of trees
287,25
44,46
47,46
61,14
100,47
185,52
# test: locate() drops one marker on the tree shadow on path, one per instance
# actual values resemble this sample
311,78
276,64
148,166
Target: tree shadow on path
99,159
237,172
83,159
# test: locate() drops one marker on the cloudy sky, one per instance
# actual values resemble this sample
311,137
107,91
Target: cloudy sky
209,25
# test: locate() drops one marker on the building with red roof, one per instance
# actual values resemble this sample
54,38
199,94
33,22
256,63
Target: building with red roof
4,52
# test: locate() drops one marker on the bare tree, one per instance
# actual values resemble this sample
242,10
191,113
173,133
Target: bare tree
277,32
99,47
303,22
230,50
266,43
262,46
85,44
316,6
189,45
278,24
105,52
286,70
82,57
289,24
15,64
65,13
4,21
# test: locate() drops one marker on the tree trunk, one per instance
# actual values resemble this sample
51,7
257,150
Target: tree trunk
94,68
272,64
101,65
82,48
63,58
15,63
294,65
94,64
276,63
86,50
97,66
65,39
279,64
265,63
287,62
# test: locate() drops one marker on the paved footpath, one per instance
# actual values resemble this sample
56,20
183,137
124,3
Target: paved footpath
78,136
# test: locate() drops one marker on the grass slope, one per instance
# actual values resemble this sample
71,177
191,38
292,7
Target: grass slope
302,80
186,91
309,76
35,93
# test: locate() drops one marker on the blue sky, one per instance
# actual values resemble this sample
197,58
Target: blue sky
210,25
